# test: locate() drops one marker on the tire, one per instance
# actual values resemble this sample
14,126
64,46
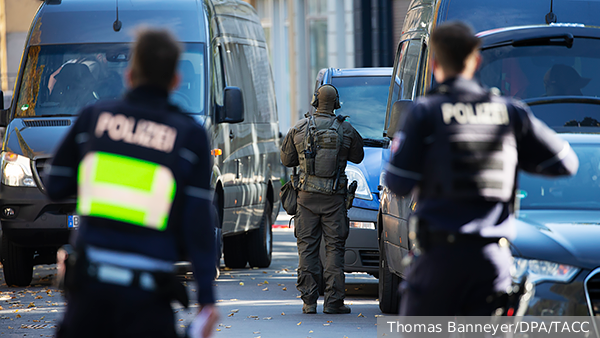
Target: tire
234,251
388,284
17,263
260,241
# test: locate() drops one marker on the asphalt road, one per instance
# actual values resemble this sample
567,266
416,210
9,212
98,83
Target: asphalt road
252,302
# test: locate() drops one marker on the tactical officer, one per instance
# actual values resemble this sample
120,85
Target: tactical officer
320,145
141,171
461,146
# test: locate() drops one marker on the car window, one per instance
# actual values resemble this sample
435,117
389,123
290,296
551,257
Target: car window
363,99
62,79
547,73
581,191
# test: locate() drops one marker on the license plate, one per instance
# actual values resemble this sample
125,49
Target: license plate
73,221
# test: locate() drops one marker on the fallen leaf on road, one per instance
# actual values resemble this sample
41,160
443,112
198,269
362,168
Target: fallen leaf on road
360,315
254,268
377,316
10,327
252,316
264,272
285,269
266,282
242,283
227,269
39,297
235,311
220,300
326,324
218,329
284,289
283,313
42,317
330,321
298,296
31,305
228,327
279,284
299,323
181,320
230,315
181,325
268,318
311,331
265,289
256,332
18,316
233,299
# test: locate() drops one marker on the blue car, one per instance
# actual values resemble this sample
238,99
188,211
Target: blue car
363,96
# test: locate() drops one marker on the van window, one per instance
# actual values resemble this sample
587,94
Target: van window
248,68
363,99
62,79
485,15
405,77
549,73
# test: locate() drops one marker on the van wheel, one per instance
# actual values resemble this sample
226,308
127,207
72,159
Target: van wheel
17,263
388,284
234,251
260,241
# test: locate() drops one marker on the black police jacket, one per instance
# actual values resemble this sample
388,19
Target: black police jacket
461,146
142,128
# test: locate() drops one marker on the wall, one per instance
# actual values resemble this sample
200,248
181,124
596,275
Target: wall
15,18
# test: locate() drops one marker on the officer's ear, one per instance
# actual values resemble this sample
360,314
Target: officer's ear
175,82
128,79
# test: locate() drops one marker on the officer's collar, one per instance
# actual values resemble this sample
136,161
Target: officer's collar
324,113
458,85
148,93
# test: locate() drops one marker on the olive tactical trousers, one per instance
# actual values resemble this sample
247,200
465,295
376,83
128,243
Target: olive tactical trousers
321,216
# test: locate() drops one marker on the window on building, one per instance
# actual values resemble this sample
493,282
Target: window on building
316,22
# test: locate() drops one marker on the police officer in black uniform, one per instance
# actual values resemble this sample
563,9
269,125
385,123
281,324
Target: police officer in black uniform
321,144
141,171
461,147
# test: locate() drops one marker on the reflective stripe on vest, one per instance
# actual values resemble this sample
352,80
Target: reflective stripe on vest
125,189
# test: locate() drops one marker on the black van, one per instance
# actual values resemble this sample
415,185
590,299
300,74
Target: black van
76,54
515,62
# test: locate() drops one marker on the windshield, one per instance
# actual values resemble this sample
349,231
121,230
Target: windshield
581,191
544,74
62,79
364,100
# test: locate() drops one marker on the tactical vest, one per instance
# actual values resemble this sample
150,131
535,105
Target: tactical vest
318,155
472,155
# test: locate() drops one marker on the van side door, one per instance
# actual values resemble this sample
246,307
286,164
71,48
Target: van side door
395,210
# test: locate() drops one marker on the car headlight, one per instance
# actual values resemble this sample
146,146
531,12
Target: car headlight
362,190
16,170
539,271
362,225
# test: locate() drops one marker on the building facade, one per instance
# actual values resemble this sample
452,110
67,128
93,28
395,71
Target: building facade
15,18
305,36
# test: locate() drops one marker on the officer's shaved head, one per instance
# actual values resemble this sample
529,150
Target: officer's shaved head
154,58
452,43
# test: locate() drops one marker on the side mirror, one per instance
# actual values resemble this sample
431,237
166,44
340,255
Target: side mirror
4,117
399,108
232,110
